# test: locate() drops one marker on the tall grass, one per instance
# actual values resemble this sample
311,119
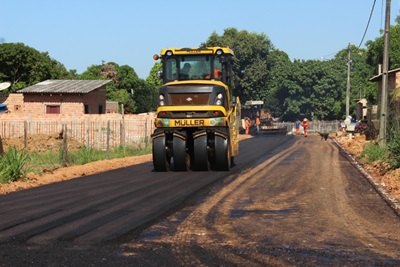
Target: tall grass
393,146
40,162
373,152
12,165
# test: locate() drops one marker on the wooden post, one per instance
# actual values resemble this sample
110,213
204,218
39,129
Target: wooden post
145,134
1,147
122,132
65,146
108,138
25,135
87,133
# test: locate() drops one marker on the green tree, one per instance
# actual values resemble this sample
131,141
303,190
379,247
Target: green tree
126,87
280,68
122,97
145,96
251,66
24,66
153,82
91,73
360,73
309,89
154,79
375,49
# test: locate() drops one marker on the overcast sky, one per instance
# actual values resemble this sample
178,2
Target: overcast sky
87,32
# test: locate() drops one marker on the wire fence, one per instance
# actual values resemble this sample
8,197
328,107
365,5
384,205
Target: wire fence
315,126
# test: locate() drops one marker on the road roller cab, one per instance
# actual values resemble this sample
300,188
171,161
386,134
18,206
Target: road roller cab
197,119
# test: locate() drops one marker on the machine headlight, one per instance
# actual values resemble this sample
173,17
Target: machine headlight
219,99
162,100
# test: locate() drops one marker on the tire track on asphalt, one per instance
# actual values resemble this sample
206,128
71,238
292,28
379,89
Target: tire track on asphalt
195,228
57,214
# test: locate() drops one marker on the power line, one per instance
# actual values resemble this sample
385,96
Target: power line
381,28
366,28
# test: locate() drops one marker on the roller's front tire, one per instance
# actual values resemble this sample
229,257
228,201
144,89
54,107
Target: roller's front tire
160,160
200,154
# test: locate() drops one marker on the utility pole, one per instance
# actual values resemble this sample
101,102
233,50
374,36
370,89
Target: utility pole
348,83
384,94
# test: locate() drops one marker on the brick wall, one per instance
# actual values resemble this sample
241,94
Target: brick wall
70,104
14,102
95,99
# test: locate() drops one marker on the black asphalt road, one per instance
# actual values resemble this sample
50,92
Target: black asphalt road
289,201
105,206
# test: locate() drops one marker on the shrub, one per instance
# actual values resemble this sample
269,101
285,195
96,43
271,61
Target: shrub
394,149
373,152
12,165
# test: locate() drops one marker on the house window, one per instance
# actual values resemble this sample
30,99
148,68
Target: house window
86,109
53,109
100,109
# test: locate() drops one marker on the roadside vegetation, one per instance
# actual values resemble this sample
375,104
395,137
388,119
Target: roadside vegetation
14,164
388,154
373,152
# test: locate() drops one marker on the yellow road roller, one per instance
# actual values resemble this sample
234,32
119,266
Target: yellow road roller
197,118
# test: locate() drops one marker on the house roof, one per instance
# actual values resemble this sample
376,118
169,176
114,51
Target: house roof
65,86
378,77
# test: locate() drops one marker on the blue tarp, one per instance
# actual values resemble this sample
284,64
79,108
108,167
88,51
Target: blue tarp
3,108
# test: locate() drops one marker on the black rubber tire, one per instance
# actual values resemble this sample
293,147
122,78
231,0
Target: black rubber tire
160,161
222,157
200,154
179,154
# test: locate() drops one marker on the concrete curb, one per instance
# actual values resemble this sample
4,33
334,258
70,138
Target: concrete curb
392,202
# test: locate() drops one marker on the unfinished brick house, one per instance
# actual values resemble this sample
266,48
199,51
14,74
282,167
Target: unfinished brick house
393,90
66,97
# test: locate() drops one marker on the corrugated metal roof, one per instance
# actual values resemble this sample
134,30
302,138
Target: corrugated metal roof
378,77
65,86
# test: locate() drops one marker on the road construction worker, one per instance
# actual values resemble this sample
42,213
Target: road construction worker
247,123
258,122
305,123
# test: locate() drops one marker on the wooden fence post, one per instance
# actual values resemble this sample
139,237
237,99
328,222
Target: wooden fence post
1,147
65,146
122,132
108,137
87,133
145,134
25,135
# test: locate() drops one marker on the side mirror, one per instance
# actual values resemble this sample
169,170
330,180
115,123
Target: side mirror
234,100
159,74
